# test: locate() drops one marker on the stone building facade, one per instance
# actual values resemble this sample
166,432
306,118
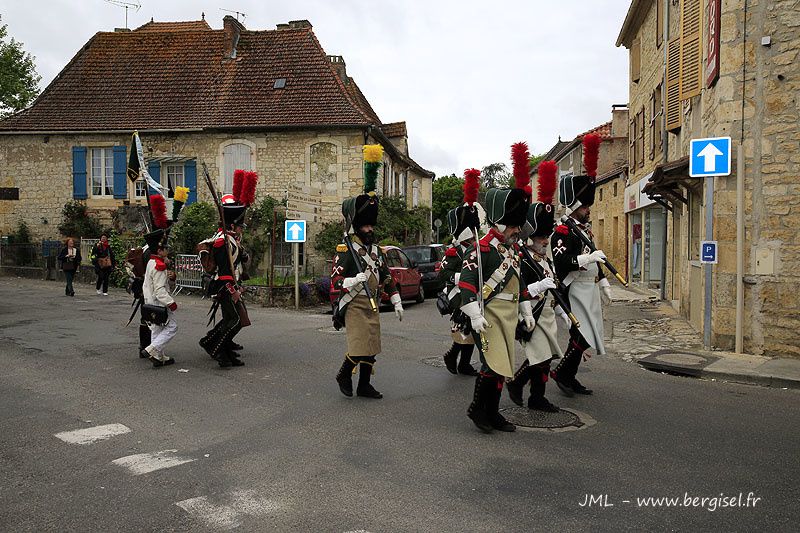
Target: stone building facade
309,138
722,69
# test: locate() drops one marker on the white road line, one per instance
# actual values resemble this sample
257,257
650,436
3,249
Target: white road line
144,463
93,434
237,505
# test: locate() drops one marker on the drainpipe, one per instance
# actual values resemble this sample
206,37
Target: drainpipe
740,207
664,147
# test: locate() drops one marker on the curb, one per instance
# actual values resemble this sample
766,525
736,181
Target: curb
751,379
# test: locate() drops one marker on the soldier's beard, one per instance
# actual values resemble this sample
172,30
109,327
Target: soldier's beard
367,237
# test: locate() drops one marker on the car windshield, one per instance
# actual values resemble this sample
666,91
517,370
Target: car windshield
421,255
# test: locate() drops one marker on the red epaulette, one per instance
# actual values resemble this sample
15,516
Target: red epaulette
562,229
485,242
160,264
451,252
219,242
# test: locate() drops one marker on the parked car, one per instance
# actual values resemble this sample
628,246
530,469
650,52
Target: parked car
428,258
404,273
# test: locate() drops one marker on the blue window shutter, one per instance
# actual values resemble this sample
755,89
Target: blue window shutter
190,180
79,173
120,172
154,169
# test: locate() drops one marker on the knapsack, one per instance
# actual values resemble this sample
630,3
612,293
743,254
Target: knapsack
206,256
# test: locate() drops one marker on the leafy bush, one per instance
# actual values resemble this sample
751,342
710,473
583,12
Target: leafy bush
328,237
77,222
258,235
323,288
399,225
120,244
197,222
22,235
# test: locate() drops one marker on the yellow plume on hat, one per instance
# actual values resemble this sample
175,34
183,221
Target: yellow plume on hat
373,153
181,194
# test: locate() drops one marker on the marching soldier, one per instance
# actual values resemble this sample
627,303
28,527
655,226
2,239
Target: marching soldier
578,267
491,293
540,345
464,223
225,288
155,289
360,274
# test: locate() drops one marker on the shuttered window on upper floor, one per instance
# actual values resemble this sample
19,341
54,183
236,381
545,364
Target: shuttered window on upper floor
672,109
691,70
636,60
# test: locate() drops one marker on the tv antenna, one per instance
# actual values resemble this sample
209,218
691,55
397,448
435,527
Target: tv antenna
236,12
135,5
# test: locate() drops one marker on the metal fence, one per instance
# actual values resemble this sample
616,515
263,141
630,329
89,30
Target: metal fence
188,272
86,248
24,255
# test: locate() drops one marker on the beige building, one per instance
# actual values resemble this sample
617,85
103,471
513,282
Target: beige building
270,101
719,69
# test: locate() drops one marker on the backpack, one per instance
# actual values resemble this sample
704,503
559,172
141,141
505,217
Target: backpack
206,256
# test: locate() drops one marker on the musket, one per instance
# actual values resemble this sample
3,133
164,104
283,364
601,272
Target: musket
578,232
218,203
481,304
557,296
357,260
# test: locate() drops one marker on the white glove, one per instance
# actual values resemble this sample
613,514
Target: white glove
538,287
560,313
349,283
396,301
526,312
605,288
598,256
457,277
473,311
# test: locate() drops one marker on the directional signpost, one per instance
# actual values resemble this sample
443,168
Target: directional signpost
710,157
294,231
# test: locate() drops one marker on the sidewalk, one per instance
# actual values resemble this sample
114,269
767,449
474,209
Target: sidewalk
651,333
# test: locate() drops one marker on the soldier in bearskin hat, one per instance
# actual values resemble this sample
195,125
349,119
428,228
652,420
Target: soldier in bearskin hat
492,295
225,287
578,267
464,223
540,345
360,273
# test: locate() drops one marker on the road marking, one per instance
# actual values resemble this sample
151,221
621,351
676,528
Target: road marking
237,505
144,463
93,434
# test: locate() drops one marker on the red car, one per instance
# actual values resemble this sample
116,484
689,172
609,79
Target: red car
405,275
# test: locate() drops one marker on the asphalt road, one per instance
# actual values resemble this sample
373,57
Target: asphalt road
274,446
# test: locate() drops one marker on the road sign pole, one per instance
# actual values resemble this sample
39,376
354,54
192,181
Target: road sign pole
296,259
709,236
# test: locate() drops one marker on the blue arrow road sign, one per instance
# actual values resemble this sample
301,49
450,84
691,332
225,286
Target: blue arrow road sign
708,252
710,157
294,230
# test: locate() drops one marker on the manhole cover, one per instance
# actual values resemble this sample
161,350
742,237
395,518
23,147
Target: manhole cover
533,420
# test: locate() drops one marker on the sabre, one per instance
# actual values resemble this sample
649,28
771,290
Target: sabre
481,305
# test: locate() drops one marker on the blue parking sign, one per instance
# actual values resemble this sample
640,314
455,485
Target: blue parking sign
708,252
710,157
294,231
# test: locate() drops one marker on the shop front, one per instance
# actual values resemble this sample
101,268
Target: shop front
646,229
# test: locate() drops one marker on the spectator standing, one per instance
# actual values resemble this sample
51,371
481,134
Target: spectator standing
70,259
104,262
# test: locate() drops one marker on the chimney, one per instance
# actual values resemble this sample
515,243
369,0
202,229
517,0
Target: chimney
340,67
233,29
294,25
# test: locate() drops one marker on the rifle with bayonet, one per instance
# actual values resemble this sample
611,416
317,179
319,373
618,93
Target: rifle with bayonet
357,261
578,232
557,294
481,303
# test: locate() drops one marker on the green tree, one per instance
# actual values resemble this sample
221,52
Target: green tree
448,193
258,236
536,159
496,175
197,222
19,82
399,225
328,237
77,222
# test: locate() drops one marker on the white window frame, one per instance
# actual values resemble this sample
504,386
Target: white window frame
106,169
226,181
175,178
140,189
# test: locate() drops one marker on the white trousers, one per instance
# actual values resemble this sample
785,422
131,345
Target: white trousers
160,336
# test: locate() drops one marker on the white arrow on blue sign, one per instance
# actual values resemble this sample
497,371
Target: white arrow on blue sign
708,252
294,231
710,157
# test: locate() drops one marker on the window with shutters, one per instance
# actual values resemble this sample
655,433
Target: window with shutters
673,85
658,117
174,178
632,142
235,156
691,69
640,136
102,171
636,60
659,23
652,137
140,188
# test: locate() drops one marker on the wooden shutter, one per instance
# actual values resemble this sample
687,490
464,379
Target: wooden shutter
120,172
154,169
79,191
673,85
652,128
641,137
190,180
632,142
636,60
659,22
691,48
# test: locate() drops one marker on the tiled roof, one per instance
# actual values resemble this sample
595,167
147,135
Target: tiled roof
192,25
358,97
395,129
549,155
180,79
603,130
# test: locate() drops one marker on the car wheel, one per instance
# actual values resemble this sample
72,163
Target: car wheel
420,295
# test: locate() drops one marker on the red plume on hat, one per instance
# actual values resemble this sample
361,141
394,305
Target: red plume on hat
159,209
591,151
472,185
248,194
520,160
547,181
238,181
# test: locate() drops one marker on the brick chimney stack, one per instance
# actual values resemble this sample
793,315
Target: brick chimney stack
340,67
233,29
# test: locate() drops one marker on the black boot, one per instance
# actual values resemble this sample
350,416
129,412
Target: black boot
144,338
233,357
537,401
236,347
579,388
365,389
564,373
345,377
450,357
517,384
464,365
497,420
477,409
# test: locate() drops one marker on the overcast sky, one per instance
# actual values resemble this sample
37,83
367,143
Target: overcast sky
469,77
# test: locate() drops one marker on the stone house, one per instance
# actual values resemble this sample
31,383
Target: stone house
270,101
710,68
608,223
